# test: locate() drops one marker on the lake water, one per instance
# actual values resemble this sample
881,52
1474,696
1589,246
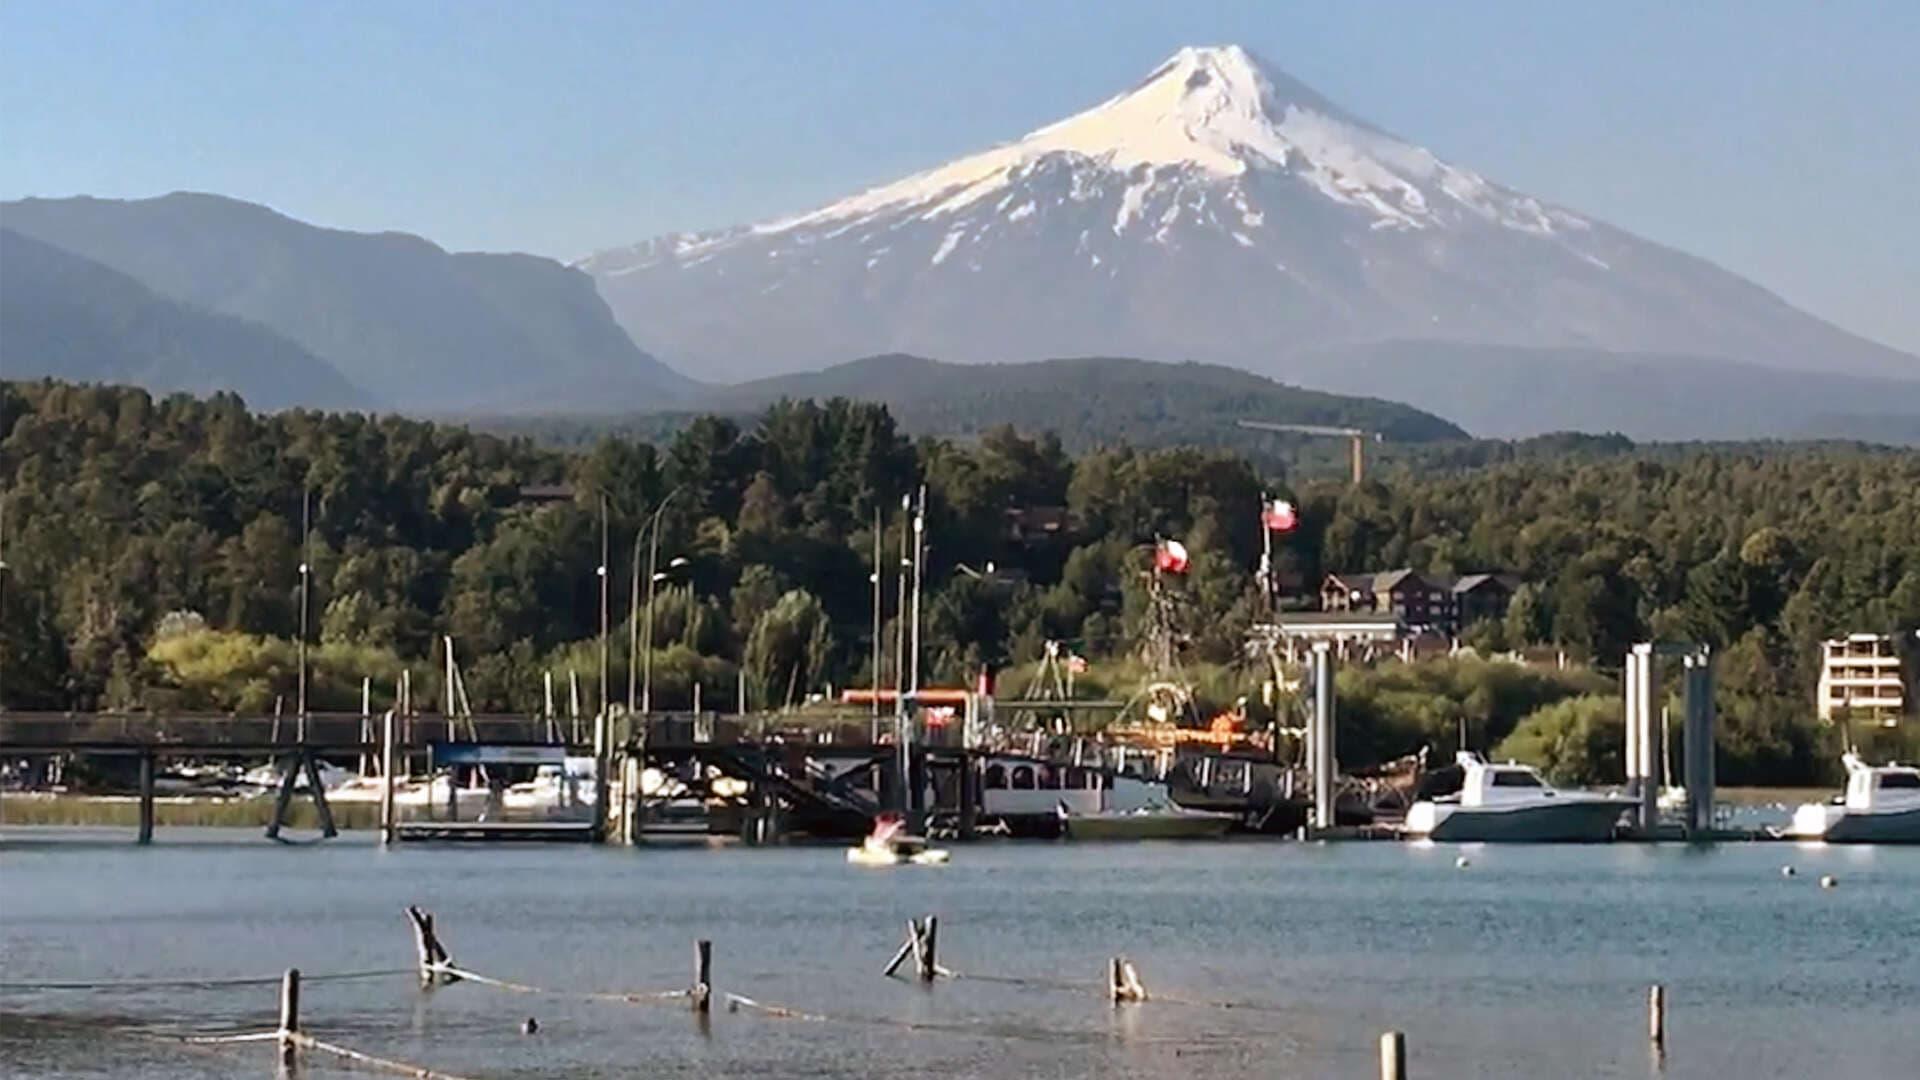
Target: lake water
1532,961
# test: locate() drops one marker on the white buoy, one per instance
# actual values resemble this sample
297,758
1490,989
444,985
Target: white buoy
1829,881
1787,871
1463,862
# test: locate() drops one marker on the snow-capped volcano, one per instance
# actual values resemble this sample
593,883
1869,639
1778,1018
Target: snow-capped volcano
1218,211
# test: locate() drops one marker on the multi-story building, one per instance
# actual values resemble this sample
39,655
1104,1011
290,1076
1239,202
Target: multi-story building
1860,675
1436,602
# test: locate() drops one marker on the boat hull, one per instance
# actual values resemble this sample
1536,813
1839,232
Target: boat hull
1570,822
1149,826
866,856
1885,827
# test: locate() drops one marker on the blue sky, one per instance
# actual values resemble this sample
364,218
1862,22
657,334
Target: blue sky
1779,139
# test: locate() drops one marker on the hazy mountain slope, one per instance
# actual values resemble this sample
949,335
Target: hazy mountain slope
66,317
1219,211
417,327
1505,392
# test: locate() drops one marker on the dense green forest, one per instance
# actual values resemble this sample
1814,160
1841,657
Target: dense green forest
152,552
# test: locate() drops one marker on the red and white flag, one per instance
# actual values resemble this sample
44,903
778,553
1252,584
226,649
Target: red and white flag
1170,557
1278,515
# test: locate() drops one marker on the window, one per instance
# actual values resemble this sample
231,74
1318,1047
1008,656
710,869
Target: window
997,777
1899,780
1023,778
1515,778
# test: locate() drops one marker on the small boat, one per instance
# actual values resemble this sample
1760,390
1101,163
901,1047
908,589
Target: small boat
1881,806
1511,802
889,844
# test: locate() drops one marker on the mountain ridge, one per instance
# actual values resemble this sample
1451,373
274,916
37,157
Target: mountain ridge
1219,211
416,326
70,317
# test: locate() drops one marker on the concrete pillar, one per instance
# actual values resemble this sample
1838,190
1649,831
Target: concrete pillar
1630,676
1321,736
1647,733
1699,735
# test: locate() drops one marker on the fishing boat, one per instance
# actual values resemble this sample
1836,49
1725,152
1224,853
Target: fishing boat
889,844
1880,806
1510,802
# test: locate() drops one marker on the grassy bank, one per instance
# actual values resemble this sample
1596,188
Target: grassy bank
219,813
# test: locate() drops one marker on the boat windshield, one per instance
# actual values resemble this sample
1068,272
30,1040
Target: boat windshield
1515,778
1899,780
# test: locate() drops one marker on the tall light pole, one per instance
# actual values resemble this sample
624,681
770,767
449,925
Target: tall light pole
306,572
876,613
653,557
603,604
919,578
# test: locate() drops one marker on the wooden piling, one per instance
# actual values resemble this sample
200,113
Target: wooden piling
387,823
146,798
1123,981
1393,1056
929,942
701,993
1657,1016
432,956
289,1014
907,949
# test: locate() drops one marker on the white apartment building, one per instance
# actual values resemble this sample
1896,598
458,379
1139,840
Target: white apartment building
1860,673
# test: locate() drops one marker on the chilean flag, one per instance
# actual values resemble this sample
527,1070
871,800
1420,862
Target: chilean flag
1278,515
1170,557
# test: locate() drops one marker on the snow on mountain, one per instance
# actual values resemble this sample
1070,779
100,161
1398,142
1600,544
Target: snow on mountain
1218,211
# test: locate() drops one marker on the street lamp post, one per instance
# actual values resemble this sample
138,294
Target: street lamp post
652,531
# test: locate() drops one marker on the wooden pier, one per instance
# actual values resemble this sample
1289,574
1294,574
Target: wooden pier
759,777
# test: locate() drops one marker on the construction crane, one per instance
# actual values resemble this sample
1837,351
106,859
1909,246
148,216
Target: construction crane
1358,436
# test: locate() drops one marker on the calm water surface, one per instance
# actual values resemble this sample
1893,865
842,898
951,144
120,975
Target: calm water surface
1532,961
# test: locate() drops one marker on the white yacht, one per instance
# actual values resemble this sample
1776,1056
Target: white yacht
1881,806
1511,802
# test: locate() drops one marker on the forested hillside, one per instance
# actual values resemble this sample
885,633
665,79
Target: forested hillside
152,551
1089,402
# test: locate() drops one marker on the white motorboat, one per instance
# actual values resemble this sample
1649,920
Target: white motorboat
1511,802
1881,806
889,844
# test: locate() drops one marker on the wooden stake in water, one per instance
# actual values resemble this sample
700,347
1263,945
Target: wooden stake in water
1657,1016
289,1013
1393,1056
701,993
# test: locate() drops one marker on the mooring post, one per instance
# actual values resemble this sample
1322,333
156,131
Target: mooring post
433,958
387,824
1123,981
146,797
289,1013
1393,1056
1657,1016
701,993
929,943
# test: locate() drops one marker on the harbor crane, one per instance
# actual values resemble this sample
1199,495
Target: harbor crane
1358,436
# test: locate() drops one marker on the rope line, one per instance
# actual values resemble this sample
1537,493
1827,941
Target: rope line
420,1072
646,997
213,982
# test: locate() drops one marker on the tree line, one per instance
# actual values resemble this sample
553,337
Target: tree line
153,552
